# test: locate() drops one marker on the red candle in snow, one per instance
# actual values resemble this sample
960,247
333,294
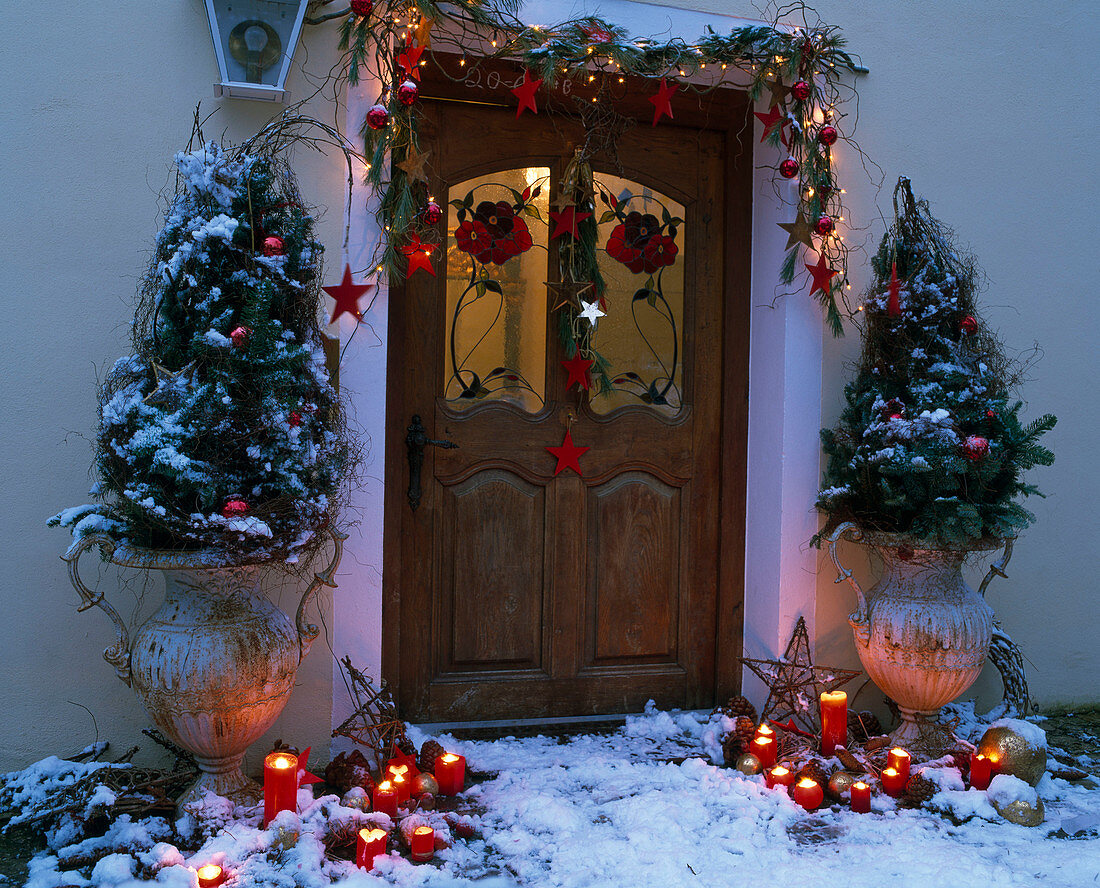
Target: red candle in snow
981,771
450,773
834,721
370,844
861,797
763,747
385,798
403,787
778,776
422,843
807,793
900,760
210,876
893,783
280,784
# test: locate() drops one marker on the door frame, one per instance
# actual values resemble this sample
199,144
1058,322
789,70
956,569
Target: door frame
725,111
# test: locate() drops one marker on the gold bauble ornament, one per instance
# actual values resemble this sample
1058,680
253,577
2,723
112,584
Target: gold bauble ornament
425,783
285,837
356,798
1021,812
840,782
749,764
1014,754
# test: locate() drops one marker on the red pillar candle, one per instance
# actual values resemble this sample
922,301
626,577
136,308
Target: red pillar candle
893,783
981,771
807,793
370,844
764,731
900,760
403,787
834,721
422,844
450,773
280,784
385,798
861,797
763,747
778,776
210,876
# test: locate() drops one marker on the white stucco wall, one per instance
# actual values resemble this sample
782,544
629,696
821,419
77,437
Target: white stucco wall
99,100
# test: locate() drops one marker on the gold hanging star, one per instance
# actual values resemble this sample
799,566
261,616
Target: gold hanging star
568,292
799,231
413,164
423,32
795,684
167,379
779,92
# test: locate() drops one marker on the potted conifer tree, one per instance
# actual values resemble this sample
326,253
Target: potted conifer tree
221,453
925,466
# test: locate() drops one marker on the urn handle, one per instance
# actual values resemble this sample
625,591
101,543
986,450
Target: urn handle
118,655
852,532
308,632
997,568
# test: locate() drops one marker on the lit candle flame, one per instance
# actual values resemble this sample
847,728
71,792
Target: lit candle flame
899,752
372,835
806,783
281,762
385,786
450,757
891,772
860,785
764,731
423,830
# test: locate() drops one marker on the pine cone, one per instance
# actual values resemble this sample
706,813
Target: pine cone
815,771
918,790
863,726
738,706
429,752
280,746
348,770
737,741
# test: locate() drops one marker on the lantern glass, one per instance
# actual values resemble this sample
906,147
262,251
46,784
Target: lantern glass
254,41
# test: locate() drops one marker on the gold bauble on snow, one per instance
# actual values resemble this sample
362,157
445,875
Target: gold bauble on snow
1022,812
1016,750
840,782
749,764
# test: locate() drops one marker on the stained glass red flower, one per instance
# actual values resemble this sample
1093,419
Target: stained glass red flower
639,244
508,234
474,238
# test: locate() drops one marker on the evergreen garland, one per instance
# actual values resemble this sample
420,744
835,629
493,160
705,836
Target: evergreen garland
930,443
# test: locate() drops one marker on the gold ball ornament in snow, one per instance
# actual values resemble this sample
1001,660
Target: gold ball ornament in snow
840,782
284,836
749,764
356,798
1021,812
425,783
1019,748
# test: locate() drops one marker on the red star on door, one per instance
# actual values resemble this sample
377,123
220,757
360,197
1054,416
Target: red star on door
566,221
419,254
568,455
822,275
771,120
347,296
525,92
578,368
662,101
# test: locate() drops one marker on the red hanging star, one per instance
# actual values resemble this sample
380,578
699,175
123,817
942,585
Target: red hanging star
347,296
419,254
662,101
525,92
577,368
568,455
304,777
773,118
822,275
893,303
409,61
566,221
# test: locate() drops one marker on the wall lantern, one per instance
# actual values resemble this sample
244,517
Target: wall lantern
254,41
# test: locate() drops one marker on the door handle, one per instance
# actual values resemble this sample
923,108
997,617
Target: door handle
416,439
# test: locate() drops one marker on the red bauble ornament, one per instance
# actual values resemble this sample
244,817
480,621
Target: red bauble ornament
433,213
827,135
239,336
800,89
975,447
378,117
789,168
824,225
362,8
235,508
990,414
968,325
295,419
407,93
274,246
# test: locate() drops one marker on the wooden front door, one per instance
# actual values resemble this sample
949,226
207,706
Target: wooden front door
511,591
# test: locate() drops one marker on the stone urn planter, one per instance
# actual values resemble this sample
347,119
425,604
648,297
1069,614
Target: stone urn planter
215,665
921,632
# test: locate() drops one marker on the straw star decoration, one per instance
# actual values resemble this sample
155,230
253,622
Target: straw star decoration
795,683
374,723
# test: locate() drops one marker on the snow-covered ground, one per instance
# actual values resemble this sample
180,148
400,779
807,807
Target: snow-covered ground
613,811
